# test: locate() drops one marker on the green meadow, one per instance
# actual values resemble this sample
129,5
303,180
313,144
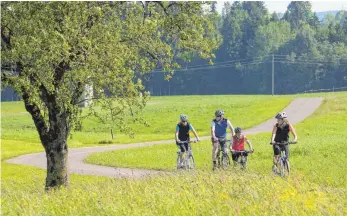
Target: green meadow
317,185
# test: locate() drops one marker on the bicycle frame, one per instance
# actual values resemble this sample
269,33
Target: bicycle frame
186,163
223,157
282,160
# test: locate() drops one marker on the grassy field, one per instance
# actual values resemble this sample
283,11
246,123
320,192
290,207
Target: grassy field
317,186
322,140
19,134
202,193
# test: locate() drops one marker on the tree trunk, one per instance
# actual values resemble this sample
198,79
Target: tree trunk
57,163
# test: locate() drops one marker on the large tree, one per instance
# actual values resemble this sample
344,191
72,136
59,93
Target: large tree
52,50
298,13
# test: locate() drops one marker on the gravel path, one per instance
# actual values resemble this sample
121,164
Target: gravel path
297,110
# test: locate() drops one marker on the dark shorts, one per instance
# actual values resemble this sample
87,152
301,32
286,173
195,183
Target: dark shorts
221,140
278,148
183,146
236,155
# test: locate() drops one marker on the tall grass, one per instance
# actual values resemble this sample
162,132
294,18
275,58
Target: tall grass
201,193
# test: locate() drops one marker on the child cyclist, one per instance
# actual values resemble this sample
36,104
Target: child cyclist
238,144
182,134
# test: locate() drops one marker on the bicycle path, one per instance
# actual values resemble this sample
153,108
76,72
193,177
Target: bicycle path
298,110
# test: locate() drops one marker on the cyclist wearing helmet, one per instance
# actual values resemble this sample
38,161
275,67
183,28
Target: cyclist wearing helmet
239,144
182,134
280,133
219,127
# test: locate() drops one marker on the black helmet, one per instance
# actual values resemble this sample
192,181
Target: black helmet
238,130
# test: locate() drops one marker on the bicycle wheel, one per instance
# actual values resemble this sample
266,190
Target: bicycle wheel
244,162
178,161
282,167
225,161
191,164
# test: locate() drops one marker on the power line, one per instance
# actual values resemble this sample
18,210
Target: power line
313,63
214,67
236,61
301,58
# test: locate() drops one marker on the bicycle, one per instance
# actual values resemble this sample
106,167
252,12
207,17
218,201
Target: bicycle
241,158
222,156
188,158
282,161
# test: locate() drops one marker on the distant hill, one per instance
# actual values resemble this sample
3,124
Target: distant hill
322,14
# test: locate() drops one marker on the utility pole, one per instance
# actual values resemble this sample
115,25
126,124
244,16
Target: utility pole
273,74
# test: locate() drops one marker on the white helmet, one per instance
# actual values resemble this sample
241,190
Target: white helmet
281,115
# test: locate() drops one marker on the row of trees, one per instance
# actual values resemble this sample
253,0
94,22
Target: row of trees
308,54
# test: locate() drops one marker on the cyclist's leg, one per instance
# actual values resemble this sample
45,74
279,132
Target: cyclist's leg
224,147
181,154
245,155
214,151
244,159
235,157
277,151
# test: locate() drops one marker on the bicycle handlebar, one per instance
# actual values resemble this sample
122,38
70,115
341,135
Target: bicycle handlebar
282,143
244,151
182,142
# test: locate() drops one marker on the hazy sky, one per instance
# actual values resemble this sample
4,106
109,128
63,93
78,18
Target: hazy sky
281,6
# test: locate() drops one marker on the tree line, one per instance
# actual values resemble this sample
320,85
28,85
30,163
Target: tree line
306,53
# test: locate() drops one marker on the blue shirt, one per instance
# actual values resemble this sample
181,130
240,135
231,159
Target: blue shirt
220,128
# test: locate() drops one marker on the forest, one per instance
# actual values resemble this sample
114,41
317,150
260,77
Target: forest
303,52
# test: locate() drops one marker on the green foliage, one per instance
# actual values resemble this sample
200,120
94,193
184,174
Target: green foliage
303,47
298,13
269,38
58,48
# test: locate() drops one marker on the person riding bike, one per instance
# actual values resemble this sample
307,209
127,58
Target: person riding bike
219,127
239,144
182,134
280,134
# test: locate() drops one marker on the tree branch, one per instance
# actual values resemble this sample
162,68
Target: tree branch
77,94
162,6
35,112
6,38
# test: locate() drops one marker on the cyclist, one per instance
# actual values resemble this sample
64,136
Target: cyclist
182,134
239,144
280,133
219,127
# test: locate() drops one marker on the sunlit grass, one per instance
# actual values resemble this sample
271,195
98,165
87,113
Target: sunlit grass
320,155
317,185
202,193
162,113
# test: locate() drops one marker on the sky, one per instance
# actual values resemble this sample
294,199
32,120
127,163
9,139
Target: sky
281,6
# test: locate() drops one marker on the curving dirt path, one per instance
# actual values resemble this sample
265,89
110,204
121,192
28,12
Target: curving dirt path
298,110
